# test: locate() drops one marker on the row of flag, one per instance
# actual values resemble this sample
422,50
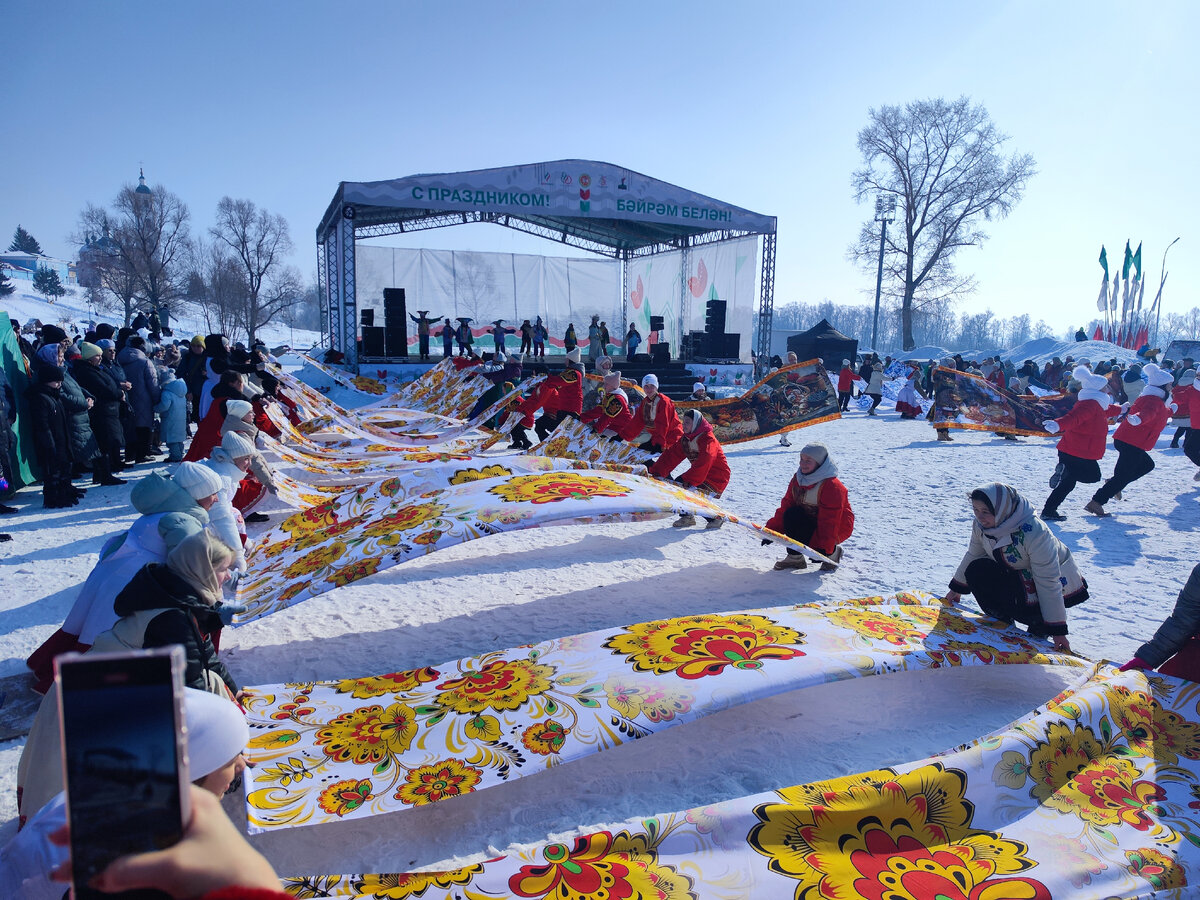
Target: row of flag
1131,329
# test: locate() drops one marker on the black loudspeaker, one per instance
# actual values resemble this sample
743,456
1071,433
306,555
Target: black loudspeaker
697,345
656,323
372,339
366,317
724,346
393,297
660,353
714,317
396,341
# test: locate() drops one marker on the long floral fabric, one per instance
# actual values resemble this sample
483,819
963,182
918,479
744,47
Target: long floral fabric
369,745
352,536
790,398
1091,796
971,402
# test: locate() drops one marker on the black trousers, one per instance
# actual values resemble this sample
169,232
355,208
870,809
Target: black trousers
547,422
1179,432
1132,463
1000,592
526,345
798,525
843,400
423,345
1075,470
876,399
1191,445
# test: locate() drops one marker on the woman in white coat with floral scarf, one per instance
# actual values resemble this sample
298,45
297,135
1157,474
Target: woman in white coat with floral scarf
1016,567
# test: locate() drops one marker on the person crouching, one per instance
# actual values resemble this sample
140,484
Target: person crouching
709,472
815,510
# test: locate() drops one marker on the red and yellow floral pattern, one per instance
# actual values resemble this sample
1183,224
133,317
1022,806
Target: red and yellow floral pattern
368,735
315,560
343,797
440,781
598,865
499,685
545,738
403,519
466,476
554,486
392,683
881,835
695,646
400,887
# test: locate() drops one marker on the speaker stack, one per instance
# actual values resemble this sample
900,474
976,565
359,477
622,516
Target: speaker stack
395,322
718,343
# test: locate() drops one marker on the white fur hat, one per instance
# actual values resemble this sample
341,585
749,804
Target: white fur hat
1155,376
1088,381
573,355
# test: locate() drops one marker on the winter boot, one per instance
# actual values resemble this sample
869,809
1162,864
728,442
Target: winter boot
791,561
836,556
1056,478
1095,508
944,434
687,520
714,524
1052,515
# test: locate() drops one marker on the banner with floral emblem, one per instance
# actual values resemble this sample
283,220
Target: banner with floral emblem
962,400
1091,796
787,399
365,746
373,528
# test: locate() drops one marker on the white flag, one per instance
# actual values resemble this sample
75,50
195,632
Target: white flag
1102,300
1130,295
1112,303
1141,294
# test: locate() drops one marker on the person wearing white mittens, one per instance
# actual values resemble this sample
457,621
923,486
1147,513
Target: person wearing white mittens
1136,435
1084,432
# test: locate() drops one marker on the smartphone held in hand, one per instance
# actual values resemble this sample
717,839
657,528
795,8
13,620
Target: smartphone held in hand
124,755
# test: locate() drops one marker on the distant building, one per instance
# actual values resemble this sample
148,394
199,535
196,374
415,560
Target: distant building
24,266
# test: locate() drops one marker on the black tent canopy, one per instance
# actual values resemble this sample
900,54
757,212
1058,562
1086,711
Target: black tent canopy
823,342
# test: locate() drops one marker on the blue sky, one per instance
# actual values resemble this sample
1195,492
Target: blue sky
758,104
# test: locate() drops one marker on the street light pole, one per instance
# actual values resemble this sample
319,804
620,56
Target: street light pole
885,212
1162,280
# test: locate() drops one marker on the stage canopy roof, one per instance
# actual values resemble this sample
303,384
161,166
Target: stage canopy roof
594,205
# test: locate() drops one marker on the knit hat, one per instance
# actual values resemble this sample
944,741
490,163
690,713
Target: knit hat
197,339
88,351
72,352
612,379
816,450
573,355
236,445
48,373
1156,377
199,481
106,344
650,379
216,731
845,362
236,409
52,334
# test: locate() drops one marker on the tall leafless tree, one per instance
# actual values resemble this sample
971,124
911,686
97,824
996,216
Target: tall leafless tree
216,287
260,243
943,162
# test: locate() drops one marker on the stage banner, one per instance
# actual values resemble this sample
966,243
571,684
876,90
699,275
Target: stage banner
1087,797
790,398
385,743
971,402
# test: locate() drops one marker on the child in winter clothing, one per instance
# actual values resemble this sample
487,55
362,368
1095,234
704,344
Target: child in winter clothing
1016,567
845,385
1084,434
610,417
1181,396
815,510
172,411
1135,436
709,471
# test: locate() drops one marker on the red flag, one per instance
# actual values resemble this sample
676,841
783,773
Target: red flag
1099,334
1143,337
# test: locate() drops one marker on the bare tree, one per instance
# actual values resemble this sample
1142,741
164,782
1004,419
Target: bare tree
216,286
943,163
107,273
260,243
475,282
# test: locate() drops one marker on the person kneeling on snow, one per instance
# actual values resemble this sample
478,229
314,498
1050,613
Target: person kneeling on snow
1016,567
815,510
1177,633
655,424
610,417
1084,435
709,472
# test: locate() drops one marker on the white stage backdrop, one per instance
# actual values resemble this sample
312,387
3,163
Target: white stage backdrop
562,290
725,271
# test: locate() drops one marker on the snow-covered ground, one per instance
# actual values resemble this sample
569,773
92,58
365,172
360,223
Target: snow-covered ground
909,496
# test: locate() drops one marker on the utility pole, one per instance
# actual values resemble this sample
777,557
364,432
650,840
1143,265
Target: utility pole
885,212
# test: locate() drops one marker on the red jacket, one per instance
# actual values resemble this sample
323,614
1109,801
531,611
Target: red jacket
610,414
1085,429
1181,396
543,397
709,467
835,518
845,380
1153,414
666,428
568,392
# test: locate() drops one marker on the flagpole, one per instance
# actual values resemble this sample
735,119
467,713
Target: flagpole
1161,281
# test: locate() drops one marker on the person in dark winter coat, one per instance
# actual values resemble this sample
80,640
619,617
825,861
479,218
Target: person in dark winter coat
447,339
143,395
78,404
8,417
709,471
1084,431
815,510
51,437
191,370
424,321
180,603
1135,436
1178,630
105,414
1018,570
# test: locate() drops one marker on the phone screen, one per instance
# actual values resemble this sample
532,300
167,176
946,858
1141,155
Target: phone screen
123,755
